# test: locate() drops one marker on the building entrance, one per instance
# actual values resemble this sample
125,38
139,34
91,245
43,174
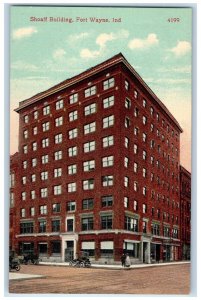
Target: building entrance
69,250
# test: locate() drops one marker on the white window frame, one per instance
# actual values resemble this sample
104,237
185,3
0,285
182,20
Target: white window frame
90,91
72,169
73,115
90,109
44,192
46,110
72,187
108,121
59,121
44,175
108,102
89,128
89,146
109,83
59,104
57,172
58,155
73,98
107,161
108,141
72,151
88,184
45,142
89,165
46,126
58,138
45,159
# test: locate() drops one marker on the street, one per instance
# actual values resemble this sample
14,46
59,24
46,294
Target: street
172,279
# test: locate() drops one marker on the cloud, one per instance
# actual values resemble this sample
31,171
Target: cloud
151,40
59,53
77,37
23,32
101,40
182,48
185,69
20,65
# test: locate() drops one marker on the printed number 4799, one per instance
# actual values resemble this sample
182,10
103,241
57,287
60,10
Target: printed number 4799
173,20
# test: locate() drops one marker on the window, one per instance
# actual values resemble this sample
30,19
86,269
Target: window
152,127
26,227
126,83
175,233
88,203
152,177
136,131
56,207
135,148
23,213
34,162
126,161
55,225
90,109
72,169
34,146
71,206
45,142
43,192
135,186
136,112
144,172
26,119
72,151
73,115
151,111
73,98
108,102
25,149
108,83
44,159
157,116
11,199
144,226
107,161
59,121
33,195
43,209
57,172
57,190
33,178
72,187
127,122
107,180
58,138
72,133
89,146
24,180
135,94
87,223
32,211
70,223
35,115
35,130
46,110
46,126
144,190
126,202
131,224
126,142
108,141
24,163
88,184
108,121
144,155
127,103
152,160
91,127
90,91
89,165
126,181
152,144
59,104
144,137
106,222
107,200
144,208
144,103
135,167
23,196
166,231
25,134
144,120
135,205
155,229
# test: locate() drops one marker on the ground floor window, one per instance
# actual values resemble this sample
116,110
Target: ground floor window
107,249
26,248
132,249
56,247
88,248
42,248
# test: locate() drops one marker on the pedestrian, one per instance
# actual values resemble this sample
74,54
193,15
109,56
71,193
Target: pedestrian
123,258
127,261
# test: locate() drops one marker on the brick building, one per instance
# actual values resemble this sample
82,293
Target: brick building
99,158
185,216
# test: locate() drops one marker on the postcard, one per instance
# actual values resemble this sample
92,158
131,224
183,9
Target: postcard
100,141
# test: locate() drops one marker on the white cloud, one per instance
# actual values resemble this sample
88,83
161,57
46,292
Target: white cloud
59,53
182,48
20,65
151,40
23,32
185,69
173,81
77,37
101,40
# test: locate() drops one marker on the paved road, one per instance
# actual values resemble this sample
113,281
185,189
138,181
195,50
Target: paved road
172,279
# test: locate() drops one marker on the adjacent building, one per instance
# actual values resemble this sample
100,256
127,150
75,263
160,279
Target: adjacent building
99,169
185,198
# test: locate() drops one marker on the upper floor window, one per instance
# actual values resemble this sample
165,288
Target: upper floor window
108,102
91,127
88,184
46,126
73,98
26,119
144,137
108,141
45,142
24,164
108,83
136,112
135,148
25,149
58,121
151,111
72,133
107,161
89,146
90,91
107,180
108,121
72,169
90,109
126,85
127,103
59,104
35,130
35,115
57,190
144,208
57,172
46,110
88,203
44,175
43,192
135,94
157,116
34,146
144,120
72,187
44,159
107,200
58,138
126,142
89,165
144,103
126,201
25,134
127,122
72,151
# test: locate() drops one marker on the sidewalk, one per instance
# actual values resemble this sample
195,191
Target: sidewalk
20,276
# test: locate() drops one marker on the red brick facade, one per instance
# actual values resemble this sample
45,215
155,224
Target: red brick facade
99,158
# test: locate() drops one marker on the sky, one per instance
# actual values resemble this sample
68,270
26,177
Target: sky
159,47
